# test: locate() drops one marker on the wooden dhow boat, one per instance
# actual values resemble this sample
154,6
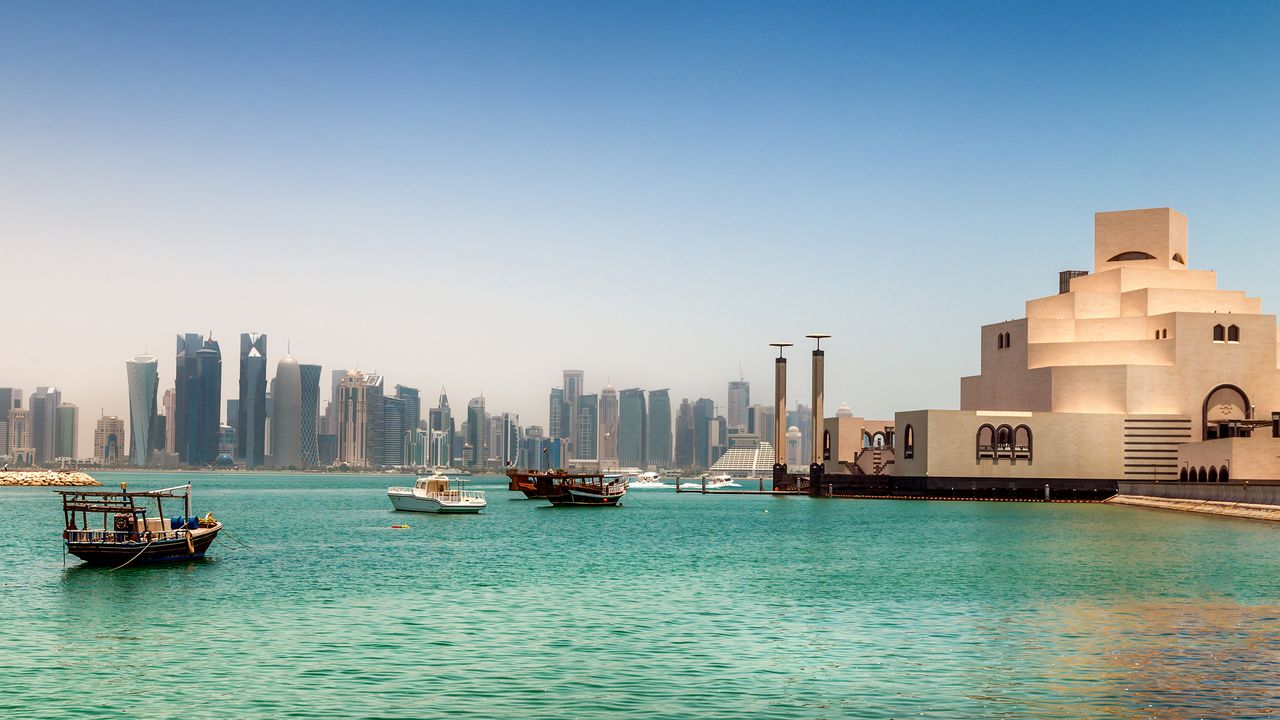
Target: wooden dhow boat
128,533
559,487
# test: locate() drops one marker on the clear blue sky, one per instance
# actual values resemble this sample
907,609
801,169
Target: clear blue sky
479,195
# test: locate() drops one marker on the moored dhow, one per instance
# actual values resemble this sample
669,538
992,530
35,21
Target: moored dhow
559,487
129,535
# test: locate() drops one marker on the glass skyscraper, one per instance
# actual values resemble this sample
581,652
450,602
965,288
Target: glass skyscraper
144,383
587,427
633,425
251,424
659,434
704,411
310,375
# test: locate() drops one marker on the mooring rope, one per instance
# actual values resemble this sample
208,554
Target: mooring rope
135,557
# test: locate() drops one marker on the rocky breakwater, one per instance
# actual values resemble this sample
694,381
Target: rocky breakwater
36,478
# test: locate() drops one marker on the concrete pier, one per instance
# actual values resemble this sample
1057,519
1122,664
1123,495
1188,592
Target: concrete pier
1208,507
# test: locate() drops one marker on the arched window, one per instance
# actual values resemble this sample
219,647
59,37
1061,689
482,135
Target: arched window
1182,475
866,439
1222,405
877,440
1224,475
1213,474
826,444
1233,334
1157,334
1004,437
1022,442
986,441
1164,333
1177,257
1132,255
1007,342
1000,341
908,442
1219,333
1202,476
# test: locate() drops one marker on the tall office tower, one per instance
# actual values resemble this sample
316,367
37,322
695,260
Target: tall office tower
608,427
143,372
739,401
573,391
20,437
440,419
493,437
353,401
44,422
717,439
377,418
633,427
704,410
10,399
197,399
510,438
233,418
108,439
158,428
286,414
251,423
558,412
327,448
588,427
270,406
309,379
658,435
68,425
761,421
684,435
226,440
474,451
331,409
804,421
170,421
393,433
412,406
795,447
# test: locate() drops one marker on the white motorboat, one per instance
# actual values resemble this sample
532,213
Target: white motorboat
647,480
719,481
436,494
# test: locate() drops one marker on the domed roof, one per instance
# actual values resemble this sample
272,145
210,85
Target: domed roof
224,460
844,411
288,360
793,429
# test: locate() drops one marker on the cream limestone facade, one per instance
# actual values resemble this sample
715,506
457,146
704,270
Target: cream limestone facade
1109,379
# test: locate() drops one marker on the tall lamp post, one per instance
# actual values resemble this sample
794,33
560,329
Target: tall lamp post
780,415
819,422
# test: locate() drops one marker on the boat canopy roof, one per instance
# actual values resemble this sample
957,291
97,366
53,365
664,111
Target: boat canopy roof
176,491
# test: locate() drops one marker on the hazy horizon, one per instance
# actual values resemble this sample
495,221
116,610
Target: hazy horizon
479,196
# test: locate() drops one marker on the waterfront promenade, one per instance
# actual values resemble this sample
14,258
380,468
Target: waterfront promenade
669,607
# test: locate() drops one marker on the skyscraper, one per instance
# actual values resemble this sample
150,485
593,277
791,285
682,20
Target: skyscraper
658,436
739,401
608,427
251,423
633,426
352,414
558,415
143,373
10,399
684,435
704,411
198,399
309,379
108,438
587,427
572,391
286,415
474,451
412,406
441,421
170,423
20,437
68,425
44,422
393,434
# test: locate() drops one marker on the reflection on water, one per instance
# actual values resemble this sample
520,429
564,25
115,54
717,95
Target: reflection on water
675,606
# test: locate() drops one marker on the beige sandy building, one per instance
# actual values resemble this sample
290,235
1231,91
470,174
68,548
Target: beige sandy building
1118,377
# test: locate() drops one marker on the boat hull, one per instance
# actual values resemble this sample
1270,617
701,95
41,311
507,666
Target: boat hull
412,503
115,554
574,498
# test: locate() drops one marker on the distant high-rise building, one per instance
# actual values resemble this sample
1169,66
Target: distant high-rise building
108,439
309,379
232,417
357,394
68,417
505,447
558,413
795,449
20,437
704,411
608,449
251,423
327,448
658,435
739,401
804,421
331,410
633,427
286,414
44,422
226,440
10,399
170,419
440,419
198,399
573,391
393,433
587,426
760,421
717,439
684,435
143,372
477,429
412,406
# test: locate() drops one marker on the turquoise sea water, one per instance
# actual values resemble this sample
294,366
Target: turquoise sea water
674,606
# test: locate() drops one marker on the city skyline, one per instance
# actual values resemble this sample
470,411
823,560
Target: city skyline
927,154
